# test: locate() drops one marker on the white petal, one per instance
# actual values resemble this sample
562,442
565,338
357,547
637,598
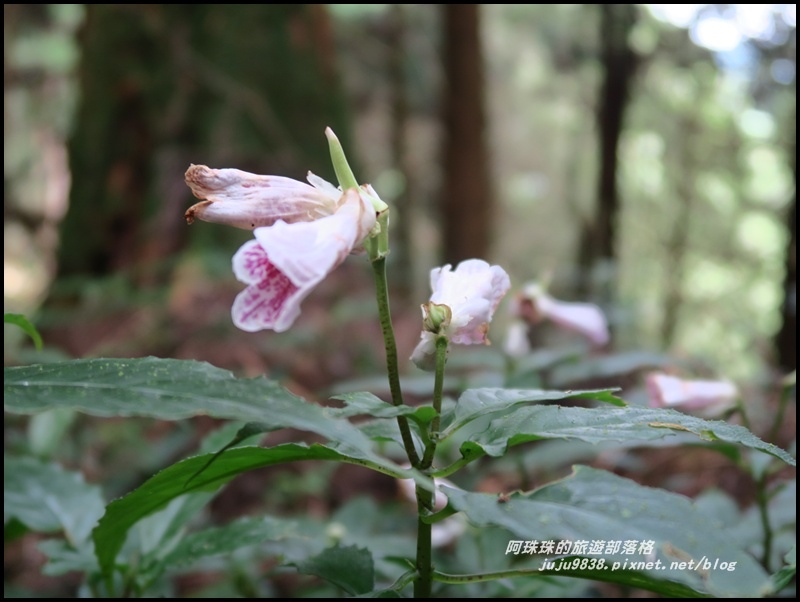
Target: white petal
424,354
307,252
517,343
323,185
472,292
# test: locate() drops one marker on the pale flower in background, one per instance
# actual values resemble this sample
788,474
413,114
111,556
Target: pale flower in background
704,397
471,294
534,304
444,532
516,343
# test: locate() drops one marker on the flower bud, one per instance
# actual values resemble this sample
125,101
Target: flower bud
435,317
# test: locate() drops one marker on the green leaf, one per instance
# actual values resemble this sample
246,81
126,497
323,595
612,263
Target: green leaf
251,429
596,425
224,540
180,479
475,403
24,324
171,389
606,366
366,403
785,575
594,505
348,567
62,558
48,499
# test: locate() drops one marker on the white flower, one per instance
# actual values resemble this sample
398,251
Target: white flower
587,319
287,260
472,293
705,397
516,343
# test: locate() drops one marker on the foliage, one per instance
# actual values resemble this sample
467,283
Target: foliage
589,505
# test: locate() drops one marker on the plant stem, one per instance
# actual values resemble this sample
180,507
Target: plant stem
762,500
778,423
438,386
424,581
422,586
382,295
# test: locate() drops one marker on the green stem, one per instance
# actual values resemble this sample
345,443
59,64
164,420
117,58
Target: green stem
456,466
382,295
778,423
743,413
763,501
478,577
438,387
422,586
424,581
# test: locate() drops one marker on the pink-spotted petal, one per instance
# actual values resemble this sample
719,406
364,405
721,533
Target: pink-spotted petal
272,303
286,261
250,263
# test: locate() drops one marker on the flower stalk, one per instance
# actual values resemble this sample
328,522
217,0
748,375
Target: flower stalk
390,345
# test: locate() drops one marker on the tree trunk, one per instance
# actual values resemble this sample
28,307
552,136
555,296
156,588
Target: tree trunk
677,243
466,202
403,247
786,338
163,86
619,62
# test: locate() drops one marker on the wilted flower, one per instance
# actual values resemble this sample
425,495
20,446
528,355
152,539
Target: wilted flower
233,197
461,306
534,304
705,397
301,233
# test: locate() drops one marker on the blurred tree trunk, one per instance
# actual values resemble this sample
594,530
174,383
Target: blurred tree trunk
466,203
677,242
402,249
786,338
619,66
163,86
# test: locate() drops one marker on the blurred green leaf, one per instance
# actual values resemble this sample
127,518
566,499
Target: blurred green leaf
24,324
62,558
182,478
785,575
606,366
596,505
596,425
48,499
348,567
224,540
474,403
